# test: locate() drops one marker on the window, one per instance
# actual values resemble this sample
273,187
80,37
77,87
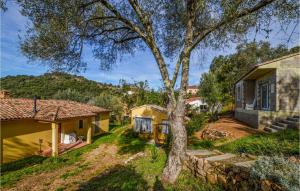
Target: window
265,96
97,124
143,125
238,93
164,127
80,124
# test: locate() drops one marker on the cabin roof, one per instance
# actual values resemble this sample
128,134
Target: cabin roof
46,110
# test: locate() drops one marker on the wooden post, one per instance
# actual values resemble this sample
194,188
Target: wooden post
1,150
89,131
54,139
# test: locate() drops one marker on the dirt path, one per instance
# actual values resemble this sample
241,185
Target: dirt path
70,177
234,127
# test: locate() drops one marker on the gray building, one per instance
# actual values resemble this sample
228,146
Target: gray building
269,92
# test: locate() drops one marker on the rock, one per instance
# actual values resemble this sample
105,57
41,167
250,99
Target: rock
200,164
266,185
244,186
253,157
244,175
206,165
211,178
214,134
222,180
134,157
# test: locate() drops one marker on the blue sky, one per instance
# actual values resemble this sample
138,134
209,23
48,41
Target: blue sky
139,67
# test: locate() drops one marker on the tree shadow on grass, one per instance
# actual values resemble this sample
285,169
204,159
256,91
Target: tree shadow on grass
22,163
158,186
129,142
121,178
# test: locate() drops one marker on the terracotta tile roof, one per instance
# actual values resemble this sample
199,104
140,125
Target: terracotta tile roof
192,99
192,87
47,110
159,108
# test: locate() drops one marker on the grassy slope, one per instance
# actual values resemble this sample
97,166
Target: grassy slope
140,174
284,142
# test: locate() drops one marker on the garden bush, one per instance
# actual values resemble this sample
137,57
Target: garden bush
278,170
197,122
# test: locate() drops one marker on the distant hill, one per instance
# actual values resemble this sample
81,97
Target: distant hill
48,85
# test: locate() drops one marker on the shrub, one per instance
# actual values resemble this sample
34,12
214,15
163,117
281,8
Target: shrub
277,169
197,122
154,153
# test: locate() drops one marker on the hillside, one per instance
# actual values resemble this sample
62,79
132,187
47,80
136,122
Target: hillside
48,85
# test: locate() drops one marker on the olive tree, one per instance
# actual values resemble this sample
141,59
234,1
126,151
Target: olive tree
61,29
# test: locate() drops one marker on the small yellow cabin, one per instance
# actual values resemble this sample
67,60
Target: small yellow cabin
47,127
151,122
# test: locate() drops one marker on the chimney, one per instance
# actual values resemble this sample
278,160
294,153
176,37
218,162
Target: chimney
34,104
4,94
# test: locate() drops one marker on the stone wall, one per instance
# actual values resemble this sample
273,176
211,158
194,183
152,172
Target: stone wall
228,170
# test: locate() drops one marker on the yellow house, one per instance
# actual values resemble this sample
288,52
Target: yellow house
150,121
47,127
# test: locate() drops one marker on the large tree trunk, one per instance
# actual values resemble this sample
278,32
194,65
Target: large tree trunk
177,154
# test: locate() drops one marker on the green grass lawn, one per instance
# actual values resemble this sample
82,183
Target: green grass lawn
284,142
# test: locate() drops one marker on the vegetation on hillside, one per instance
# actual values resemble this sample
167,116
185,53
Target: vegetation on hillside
119,98
217,85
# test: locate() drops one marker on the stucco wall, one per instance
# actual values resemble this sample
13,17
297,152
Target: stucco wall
103,123
20,138
156,116
288,89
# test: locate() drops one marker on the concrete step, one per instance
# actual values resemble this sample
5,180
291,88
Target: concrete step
201,152
220,157
292,124
280,124
278,127
270,130
293,119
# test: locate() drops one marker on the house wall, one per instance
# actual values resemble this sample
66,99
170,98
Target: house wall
261,119
72,126
239,99
288,87
20,138
156,116
284,83
103,123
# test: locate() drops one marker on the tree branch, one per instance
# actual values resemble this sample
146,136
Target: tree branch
150,41
123,19
229,19
177,67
